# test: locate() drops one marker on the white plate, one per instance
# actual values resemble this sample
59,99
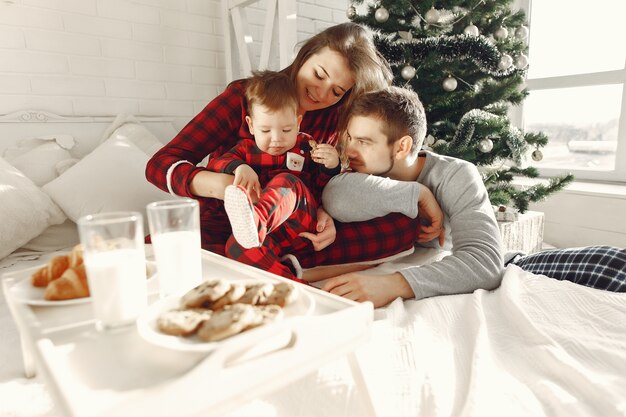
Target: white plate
25,292
148,330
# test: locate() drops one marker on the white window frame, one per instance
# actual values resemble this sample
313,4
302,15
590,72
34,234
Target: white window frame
618,174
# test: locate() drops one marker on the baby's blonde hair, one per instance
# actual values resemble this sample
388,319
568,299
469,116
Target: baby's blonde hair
271,89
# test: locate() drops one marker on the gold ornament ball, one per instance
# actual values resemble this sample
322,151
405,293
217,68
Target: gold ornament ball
471,30
450,83
522,33
485,145
505,62
408,72
351,12
521,62
381,15
432,16
537,155
501,33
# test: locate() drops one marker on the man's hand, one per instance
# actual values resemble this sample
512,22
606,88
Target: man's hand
429,209
248,178
326,232
379,289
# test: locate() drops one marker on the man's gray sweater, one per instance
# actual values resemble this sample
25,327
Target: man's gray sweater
472,233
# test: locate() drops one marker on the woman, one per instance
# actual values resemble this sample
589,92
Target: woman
330,70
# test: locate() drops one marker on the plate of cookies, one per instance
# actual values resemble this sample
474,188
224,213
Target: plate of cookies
219,309
62,281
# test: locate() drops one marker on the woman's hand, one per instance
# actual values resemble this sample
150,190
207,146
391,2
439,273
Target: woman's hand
326,155
429,209
326,232
248,178
379,289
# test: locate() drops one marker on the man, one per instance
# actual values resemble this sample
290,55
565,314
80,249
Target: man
385,132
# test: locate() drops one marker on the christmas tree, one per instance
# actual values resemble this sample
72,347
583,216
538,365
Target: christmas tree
467,61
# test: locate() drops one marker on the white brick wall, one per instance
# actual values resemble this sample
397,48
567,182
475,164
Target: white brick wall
104,57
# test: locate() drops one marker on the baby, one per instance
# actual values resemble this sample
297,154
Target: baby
279,177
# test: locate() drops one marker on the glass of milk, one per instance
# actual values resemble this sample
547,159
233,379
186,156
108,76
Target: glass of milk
113,245
175,234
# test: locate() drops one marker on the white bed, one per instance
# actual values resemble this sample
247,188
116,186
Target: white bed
533,347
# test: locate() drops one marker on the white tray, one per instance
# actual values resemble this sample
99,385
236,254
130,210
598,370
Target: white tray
120,373
23,291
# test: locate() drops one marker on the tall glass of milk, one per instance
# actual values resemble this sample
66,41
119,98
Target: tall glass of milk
175,234
113,252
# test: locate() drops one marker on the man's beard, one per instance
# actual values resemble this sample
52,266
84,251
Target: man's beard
384,173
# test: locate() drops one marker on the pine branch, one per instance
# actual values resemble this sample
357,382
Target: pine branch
462,120
476,49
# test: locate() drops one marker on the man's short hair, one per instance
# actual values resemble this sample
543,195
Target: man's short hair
400,110
274,90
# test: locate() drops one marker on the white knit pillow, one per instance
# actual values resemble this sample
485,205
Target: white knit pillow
25,211
110,178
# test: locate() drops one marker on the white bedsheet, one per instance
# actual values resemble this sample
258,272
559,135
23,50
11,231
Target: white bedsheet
533,347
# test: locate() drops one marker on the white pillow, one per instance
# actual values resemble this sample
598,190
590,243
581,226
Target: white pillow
138,135
55,237
39,164
25,211
37,157
111,178
27,144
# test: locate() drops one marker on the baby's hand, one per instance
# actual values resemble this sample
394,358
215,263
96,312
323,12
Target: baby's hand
325,154
247,178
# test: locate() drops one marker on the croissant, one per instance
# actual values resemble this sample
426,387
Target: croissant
72,284
50,272
76,256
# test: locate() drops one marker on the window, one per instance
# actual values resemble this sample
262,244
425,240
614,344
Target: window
577,84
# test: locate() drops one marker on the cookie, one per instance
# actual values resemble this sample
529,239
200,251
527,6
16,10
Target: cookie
256,293
182,322
231,320
232,296
204,294
313,145
269,314
283,294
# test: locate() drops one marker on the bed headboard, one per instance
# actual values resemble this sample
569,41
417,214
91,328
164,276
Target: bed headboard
86,130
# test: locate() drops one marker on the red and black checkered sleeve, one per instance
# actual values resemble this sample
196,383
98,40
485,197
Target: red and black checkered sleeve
370,240
213,130
229,161
324,175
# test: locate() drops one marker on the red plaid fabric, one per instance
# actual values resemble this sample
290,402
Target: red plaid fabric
314,175
217,128
285,209
214,130
363,241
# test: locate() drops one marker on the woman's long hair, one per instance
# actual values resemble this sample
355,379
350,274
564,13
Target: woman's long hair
369,69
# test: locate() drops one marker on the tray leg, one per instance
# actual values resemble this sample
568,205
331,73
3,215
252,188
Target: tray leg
27,358
27,347
360,382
